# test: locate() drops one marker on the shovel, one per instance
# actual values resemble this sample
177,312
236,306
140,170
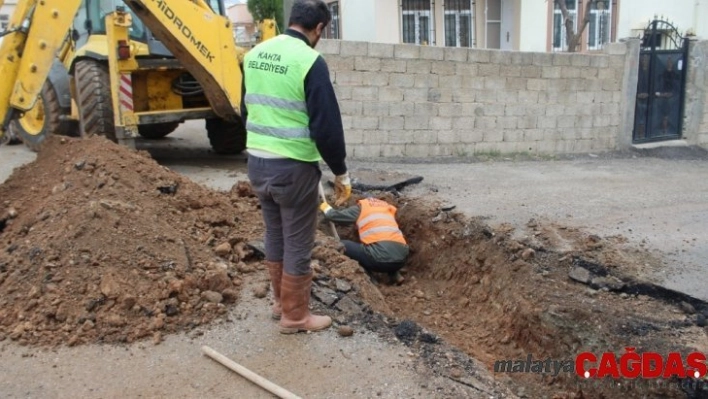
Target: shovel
324,199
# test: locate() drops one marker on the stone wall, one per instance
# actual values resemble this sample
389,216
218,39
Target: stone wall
419,101
695,126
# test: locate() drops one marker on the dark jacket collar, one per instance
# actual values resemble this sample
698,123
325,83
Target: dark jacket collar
297,35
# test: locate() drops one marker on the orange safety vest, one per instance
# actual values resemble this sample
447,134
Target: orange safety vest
377,222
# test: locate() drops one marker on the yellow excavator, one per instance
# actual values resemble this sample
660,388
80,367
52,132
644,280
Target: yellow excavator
121,69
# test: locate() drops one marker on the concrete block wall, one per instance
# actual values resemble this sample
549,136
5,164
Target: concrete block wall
702,136
695,126
417,101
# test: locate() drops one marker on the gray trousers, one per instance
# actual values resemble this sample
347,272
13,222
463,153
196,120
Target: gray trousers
357,252
288,193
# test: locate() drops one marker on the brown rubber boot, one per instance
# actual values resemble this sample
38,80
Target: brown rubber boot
295,296
276,275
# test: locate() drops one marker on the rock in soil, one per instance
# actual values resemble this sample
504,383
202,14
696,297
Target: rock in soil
324,295
528,254
213,297
348,306
261,291
345,331
455,373
342,285
223,250
580,274
610,282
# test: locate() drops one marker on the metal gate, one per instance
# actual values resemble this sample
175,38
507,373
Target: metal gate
663,62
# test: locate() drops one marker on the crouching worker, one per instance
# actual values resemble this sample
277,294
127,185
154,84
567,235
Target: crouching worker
383,248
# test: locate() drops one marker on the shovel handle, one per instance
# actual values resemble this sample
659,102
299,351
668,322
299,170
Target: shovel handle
323,198
248,374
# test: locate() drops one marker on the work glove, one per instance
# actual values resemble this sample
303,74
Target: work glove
325,207
342,189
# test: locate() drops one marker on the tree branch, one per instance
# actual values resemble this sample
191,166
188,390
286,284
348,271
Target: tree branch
573,39
586,20
567,21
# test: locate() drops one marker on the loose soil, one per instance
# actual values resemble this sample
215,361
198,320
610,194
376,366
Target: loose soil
99,243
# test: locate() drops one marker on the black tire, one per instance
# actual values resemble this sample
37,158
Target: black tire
226,138
41,121
93,90
157,131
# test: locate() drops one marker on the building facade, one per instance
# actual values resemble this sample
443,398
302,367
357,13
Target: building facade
524,25
6,11
243,24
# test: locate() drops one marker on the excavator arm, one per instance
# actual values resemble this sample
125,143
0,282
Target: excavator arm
28,50
199,38
202,41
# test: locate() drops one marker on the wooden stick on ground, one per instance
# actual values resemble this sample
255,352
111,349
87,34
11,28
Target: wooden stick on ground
249,375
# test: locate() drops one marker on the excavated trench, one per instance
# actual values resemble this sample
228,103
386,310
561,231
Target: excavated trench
498,299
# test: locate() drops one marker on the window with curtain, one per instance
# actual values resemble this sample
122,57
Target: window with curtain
600,25
459,23
332,30
416,21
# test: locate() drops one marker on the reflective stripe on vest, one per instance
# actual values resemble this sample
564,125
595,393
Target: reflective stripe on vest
381,229
276,102
377,222
279,132
278,122
377,216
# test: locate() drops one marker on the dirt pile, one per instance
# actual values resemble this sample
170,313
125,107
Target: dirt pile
99,243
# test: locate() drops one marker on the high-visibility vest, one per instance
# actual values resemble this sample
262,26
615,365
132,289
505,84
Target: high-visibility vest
377,222
274,73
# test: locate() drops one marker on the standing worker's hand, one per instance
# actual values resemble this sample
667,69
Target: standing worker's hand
342,189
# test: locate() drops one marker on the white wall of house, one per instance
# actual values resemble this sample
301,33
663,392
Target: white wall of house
387,21
357,17
6,13
242,20
533,24
7,9
635,15
700,19
374,21
379,21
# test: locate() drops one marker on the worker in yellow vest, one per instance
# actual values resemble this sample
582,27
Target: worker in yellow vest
293,122
383,248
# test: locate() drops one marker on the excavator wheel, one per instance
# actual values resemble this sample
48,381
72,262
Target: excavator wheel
157,130
225,137
42,120
93,89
